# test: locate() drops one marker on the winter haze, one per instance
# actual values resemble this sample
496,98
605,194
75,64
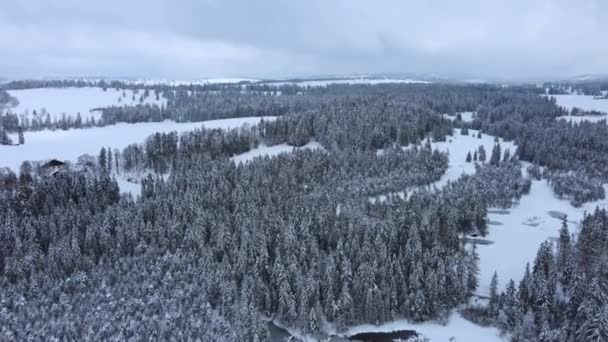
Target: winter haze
517,39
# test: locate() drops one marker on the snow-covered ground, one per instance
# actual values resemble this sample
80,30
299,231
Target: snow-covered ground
71,101
457,329
458,146
585,102
70,144
270,151
518,232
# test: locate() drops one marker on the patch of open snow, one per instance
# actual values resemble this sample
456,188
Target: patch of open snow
127,186
466,116
70,144
71,101
458,146
586,102
525,227
274,150
457,329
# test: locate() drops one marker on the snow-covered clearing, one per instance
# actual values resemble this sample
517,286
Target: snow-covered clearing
466,116
270,151
457,329
70,144
524,227
585,102
71,101
457,147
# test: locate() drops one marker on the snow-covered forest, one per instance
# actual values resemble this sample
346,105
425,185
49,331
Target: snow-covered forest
336,208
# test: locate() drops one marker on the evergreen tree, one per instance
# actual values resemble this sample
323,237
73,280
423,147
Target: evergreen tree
482,154
102,160
496,154
493,304
21,136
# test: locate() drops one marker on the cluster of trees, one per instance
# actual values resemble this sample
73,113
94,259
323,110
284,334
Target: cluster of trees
560,146
563,297
579,187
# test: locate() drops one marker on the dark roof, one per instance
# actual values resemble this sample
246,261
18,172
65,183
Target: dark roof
53,162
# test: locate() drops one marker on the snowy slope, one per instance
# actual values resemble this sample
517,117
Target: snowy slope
71,101
70,144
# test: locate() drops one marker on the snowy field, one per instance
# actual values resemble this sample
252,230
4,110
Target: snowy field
270,151
70,144
71,101
585,102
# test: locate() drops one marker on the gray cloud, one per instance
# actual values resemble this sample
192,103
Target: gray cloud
266,38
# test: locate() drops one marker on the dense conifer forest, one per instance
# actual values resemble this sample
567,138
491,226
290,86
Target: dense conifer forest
213,249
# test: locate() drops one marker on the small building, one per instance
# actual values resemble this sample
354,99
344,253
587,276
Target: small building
53,166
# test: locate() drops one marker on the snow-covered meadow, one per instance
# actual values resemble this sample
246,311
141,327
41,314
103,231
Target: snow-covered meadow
70,144
585,102
71,101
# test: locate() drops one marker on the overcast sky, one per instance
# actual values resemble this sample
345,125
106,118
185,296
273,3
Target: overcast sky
277,38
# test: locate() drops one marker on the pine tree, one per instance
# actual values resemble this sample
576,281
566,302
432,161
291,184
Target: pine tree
473,272
102,160
495,156
493,303
482,154
468,160
21,136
